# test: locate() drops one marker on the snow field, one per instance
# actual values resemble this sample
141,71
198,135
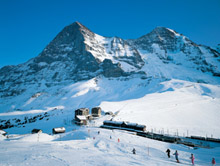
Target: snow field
86,147
171,105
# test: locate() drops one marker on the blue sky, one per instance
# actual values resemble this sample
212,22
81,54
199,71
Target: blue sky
27,26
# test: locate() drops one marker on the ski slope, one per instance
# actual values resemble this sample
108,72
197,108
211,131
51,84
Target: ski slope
171,106
86,147
179,108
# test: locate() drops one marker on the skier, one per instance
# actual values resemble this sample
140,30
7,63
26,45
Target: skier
98,132
168,153
192,159
176,156
134,151
118,140
213,162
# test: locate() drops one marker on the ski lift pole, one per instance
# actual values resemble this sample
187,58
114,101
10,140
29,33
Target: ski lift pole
148,150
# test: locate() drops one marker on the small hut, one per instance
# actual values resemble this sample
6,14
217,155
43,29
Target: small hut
81,120
82,111
109,113
96,112
2,132
34,131
59,130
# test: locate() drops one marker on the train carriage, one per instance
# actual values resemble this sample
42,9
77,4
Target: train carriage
124,125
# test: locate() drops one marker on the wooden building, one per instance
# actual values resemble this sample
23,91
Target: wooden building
2,132
82,112
59,130
81,120
109,113
34,131
96,112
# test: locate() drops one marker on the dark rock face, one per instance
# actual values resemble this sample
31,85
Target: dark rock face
66,46
77,53
69,47
112,70
218,48
65,58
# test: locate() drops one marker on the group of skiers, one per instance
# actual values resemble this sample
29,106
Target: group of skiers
176,154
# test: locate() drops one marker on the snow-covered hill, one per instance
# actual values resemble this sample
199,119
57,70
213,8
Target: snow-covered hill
86,147
144,101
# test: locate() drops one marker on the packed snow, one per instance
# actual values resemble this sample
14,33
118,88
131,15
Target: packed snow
173,107
86,147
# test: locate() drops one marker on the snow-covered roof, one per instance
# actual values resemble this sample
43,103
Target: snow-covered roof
127,123
81,117
132,124
141,126
59,129
2,132
83,109
113,122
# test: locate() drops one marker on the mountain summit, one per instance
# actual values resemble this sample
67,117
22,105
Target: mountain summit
77,53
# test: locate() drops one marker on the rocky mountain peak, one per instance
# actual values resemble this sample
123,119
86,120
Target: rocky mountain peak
166,39
66,45
162,31
77,53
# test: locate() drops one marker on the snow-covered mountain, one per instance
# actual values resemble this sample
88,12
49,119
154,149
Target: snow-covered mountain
79,68
77,54
162,80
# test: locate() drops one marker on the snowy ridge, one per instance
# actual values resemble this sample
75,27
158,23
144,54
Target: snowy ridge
77,53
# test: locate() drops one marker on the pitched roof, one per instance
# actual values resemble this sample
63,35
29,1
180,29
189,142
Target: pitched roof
81,117
2,132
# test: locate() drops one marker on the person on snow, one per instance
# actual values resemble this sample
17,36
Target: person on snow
134,151
192,159
176,156
168,153
213,162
